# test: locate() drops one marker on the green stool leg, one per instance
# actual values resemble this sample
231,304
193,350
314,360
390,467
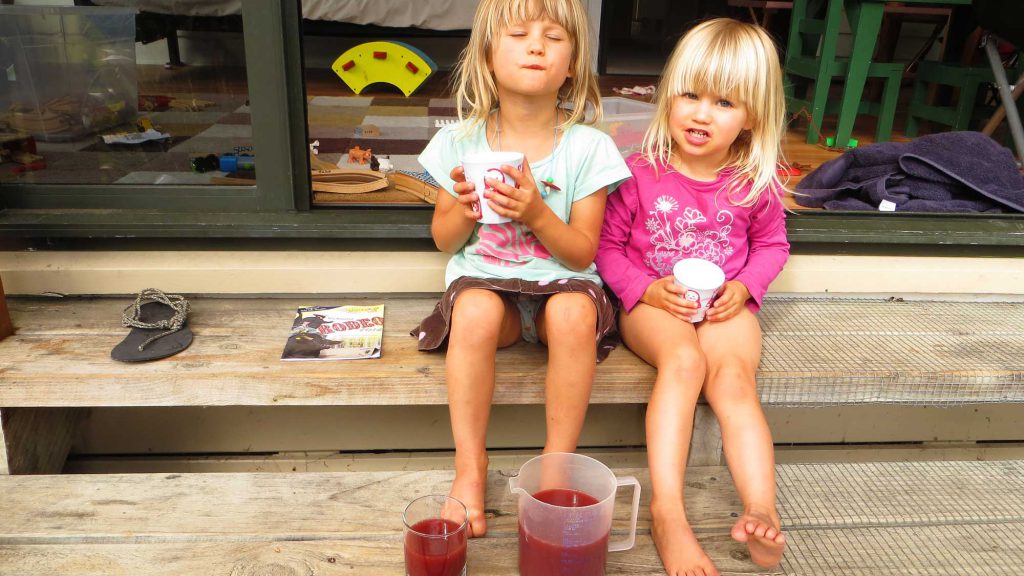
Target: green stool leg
794,46
965,106
916,99
887,111
827,60
865,22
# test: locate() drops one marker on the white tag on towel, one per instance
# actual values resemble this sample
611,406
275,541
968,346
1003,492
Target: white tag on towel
886,206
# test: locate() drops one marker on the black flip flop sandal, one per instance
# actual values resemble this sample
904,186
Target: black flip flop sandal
159,329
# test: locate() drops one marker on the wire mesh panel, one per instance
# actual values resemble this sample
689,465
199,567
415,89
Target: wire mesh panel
900,493
952,550
907,518
820,352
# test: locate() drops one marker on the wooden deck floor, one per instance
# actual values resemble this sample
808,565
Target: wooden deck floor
928,518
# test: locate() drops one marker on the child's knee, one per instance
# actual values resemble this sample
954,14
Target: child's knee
572,315
729,386
477,314
685,364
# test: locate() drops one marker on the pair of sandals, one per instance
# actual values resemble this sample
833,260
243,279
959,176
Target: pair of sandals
159,324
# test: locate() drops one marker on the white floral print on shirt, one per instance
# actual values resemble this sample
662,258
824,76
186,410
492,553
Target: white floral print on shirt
678,238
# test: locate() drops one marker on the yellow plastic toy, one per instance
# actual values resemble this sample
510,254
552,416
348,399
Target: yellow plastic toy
394,63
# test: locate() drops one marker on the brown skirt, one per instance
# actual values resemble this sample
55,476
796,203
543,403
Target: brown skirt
527,295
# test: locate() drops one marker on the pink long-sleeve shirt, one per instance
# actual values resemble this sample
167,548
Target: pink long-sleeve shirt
657,218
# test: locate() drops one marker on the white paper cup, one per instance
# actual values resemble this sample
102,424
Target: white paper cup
702,281
488,164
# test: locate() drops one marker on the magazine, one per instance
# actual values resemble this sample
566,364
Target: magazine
335,333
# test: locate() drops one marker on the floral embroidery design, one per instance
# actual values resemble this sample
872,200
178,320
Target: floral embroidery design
509,245
685,236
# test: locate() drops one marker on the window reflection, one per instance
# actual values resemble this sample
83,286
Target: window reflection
123,92
368,88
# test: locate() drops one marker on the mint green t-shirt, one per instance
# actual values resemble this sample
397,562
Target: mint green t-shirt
584,161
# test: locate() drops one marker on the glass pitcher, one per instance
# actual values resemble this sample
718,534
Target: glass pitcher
566,503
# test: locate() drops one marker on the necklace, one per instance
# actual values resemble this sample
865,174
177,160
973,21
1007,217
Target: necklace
549,182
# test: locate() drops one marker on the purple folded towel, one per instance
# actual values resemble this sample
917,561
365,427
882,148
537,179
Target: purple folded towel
947,172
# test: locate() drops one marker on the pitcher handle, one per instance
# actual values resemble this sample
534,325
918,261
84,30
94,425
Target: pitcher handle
627,543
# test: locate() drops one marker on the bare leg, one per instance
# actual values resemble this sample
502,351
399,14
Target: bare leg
481,323
733,351
670,345
567,323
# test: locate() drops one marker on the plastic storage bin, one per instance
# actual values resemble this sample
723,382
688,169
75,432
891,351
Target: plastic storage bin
626,121
66,72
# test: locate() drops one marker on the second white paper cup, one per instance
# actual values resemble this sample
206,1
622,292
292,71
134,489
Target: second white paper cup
488,164
702,281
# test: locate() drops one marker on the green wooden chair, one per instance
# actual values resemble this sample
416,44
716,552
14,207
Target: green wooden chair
811,59
1005,19
957,114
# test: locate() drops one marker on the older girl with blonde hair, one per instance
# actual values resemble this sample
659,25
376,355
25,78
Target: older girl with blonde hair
524,84
705,186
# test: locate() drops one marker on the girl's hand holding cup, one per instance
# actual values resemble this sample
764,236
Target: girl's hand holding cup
523,203
484,170
734,296
664,293
466,191
701,282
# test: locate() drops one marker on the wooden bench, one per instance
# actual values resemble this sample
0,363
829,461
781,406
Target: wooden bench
817,352
935,518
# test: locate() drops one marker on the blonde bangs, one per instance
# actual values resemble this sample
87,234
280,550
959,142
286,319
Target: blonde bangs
739,62
473,85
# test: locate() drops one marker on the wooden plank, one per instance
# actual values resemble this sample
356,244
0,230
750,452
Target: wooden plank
211,316
785,316
706,442
354,429
367,557
325,523
247,371
141,508
5,465
932,353
6,327
37,440
235,360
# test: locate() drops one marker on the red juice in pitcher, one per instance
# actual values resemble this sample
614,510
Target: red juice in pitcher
540,558
433,556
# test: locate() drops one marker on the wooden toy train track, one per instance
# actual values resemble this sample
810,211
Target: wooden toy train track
348,181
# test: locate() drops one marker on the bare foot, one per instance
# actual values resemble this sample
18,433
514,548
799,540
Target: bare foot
470,486
764,538
681,554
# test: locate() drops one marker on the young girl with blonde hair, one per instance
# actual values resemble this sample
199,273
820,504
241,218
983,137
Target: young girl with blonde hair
524,84
705,186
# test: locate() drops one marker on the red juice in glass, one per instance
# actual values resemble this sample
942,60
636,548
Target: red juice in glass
540,558
429,554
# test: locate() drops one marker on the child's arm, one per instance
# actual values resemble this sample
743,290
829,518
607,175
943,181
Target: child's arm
574,243
454,218
627,280
769,247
